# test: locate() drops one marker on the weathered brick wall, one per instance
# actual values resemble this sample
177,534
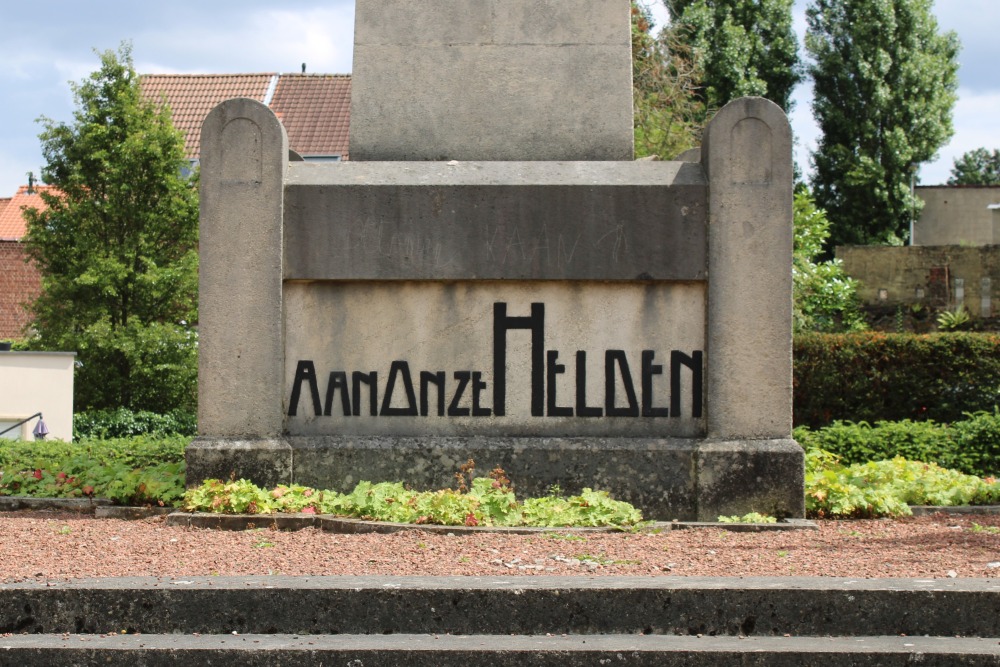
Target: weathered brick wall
936,276
20,282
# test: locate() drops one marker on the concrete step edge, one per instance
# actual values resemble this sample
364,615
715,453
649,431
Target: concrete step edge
474,605
417,643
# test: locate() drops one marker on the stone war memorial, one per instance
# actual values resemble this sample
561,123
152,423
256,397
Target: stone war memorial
493,276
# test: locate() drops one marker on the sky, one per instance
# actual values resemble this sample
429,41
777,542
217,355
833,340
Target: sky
44,47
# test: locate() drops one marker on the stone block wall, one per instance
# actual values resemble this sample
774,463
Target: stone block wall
939,277
20,282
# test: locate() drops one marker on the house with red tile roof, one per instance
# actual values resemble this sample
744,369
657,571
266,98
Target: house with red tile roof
314,108
20,281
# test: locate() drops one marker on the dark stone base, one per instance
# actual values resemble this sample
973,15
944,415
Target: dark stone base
673,478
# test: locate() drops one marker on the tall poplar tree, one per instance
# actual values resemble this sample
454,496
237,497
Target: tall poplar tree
885,82
117,246
744,47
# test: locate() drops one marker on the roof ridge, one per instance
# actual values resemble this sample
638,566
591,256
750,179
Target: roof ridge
204,74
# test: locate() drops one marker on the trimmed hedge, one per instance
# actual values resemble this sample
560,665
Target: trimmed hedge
971,446
893,377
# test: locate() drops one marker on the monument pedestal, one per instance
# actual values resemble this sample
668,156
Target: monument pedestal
576,318
669,478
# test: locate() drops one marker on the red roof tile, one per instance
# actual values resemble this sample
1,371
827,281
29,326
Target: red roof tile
12,224
315,110
192,96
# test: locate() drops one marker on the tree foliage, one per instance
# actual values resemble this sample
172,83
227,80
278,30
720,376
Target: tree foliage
745,47
824,297
884,82
668,115
117,246
976,167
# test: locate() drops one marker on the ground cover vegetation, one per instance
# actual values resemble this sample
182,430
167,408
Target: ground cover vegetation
853,470
487,502
142,470
887,487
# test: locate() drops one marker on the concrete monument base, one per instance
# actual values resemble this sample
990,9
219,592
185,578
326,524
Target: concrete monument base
667,478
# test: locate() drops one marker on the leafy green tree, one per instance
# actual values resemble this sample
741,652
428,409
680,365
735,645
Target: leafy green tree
745,47
977,167
117,246
824,297
884,81
669,118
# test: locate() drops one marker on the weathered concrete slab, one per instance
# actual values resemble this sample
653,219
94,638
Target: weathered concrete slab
455,359
498,651
495,221
131,513
495,605
266,461
656,475
14,503
492,80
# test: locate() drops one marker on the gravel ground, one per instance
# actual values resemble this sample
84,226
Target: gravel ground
61,545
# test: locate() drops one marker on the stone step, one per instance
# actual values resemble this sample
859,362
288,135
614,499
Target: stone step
494,650
514,605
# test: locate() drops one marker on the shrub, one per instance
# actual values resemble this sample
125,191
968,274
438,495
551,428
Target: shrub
125,423
890,377
128,471
971,446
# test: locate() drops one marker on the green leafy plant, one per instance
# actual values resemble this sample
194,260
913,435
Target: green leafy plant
990,530
954,320
887,488
487,502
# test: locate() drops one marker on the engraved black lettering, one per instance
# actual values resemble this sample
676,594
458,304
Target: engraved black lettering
694,363
371,379
552,369
305,371
436,379
582,410
477,387
649,369
338,381
402,369
501,325
611,359
453,409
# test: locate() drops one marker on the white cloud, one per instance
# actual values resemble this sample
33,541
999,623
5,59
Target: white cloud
267,40
977,124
